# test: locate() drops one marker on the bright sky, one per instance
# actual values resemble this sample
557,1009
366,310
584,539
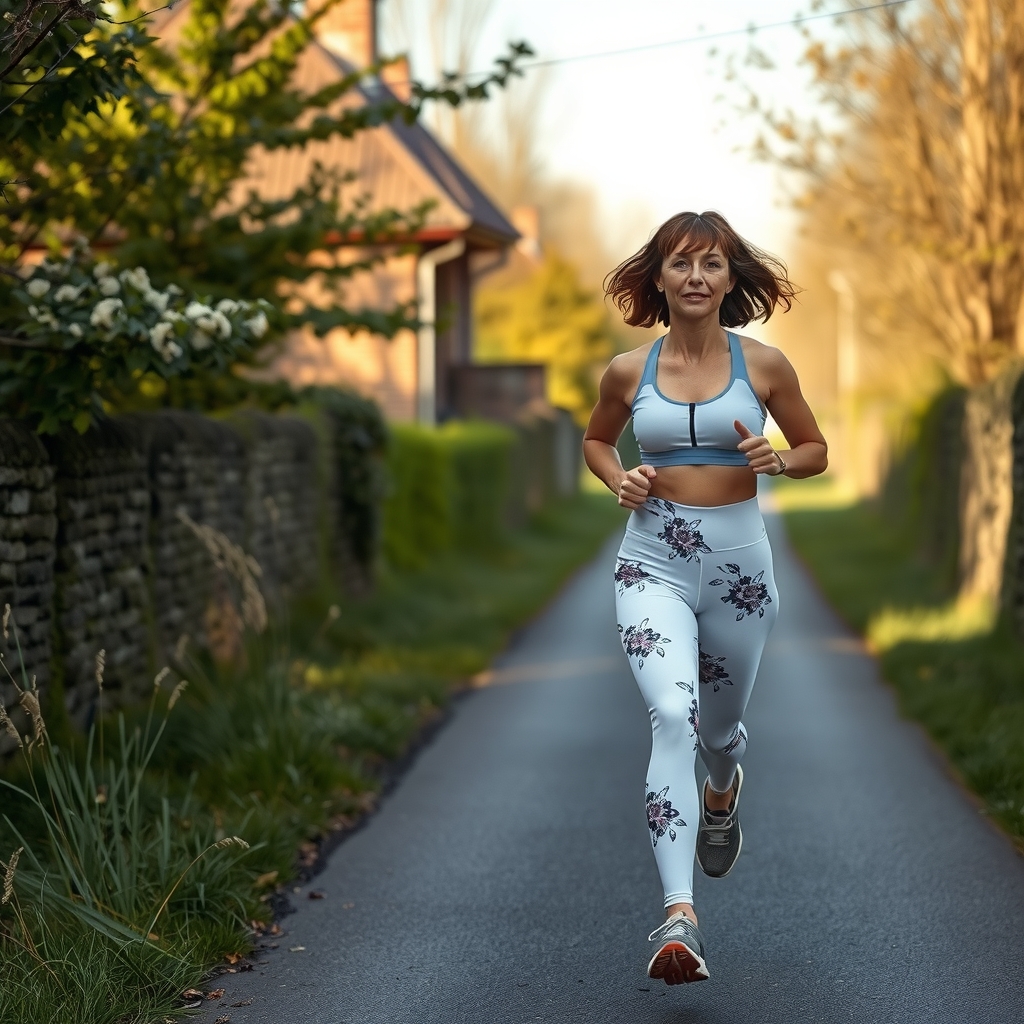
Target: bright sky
647,130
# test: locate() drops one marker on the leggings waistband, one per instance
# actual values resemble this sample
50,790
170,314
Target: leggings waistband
721,527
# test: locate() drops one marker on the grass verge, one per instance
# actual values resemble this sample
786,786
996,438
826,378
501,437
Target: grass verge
954,670
130,885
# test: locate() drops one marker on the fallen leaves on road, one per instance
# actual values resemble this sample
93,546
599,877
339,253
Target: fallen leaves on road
316,894
296,949
244,1002
215,993
233,958
223,1019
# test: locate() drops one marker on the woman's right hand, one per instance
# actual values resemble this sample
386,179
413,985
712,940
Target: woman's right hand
635,486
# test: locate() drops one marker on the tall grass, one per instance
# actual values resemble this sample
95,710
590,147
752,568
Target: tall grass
102,856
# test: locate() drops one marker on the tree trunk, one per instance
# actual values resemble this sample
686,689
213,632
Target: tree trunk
986,492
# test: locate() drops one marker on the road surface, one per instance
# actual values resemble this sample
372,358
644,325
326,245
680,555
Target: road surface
509,877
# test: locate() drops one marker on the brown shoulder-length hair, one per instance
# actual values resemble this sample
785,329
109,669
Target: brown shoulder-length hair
762,281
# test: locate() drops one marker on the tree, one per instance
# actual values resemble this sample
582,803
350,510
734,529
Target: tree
151,159
549,318
921,188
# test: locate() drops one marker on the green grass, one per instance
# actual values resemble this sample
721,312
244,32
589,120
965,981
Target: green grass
954,671
279,752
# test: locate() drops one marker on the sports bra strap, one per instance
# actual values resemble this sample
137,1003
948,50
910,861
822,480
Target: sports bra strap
650,374
739,364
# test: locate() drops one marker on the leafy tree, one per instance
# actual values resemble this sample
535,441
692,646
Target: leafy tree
150,154
919,184
549,318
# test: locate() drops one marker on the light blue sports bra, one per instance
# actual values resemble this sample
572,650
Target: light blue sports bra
672,433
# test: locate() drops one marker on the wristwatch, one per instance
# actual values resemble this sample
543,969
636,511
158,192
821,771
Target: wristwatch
782,463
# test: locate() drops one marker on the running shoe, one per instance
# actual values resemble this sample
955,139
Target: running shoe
719,836
680,956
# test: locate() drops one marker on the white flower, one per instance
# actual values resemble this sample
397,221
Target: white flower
159,333
228,306
173,289
102,269
206,323
223,324
37,287
67,293
137,278
172,316
159,337
158,300
201,340
194,310
74,330
33,311
258,324
104,313
109,285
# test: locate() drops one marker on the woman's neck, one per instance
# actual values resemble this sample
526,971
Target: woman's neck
696,340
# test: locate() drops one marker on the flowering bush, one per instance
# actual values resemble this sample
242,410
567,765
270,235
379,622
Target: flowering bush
81,334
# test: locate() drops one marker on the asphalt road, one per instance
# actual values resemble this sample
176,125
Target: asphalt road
509,877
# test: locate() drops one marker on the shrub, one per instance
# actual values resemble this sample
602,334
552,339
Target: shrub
448,488
358,435
82,335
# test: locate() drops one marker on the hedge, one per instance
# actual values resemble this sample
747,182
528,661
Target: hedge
448,487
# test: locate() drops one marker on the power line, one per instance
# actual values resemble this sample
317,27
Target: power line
706,37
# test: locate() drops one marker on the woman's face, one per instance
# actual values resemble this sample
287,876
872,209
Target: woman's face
695,283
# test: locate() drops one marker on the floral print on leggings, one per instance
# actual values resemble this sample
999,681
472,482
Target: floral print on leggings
748,593
662,817
641,642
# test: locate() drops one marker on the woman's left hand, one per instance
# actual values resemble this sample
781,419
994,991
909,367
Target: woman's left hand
761,456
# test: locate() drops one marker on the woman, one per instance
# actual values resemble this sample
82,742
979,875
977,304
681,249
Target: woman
695,596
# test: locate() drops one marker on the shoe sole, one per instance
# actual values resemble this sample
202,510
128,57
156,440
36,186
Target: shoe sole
739,850
676,964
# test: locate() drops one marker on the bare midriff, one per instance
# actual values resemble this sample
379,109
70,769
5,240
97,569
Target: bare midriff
704,486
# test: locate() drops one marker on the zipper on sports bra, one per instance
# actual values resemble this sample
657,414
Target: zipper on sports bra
693,432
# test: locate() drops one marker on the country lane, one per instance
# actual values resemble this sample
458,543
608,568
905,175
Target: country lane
509,877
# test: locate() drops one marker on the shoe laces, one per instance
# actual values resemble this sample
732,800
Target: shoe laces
717,834
663,929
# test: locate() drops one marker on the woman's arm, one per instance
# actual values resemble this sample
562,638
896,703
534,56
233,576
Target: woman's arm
807,454
610,415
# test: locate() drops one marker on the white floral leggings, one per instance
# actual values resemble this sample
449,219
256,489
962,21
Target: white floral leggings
695,599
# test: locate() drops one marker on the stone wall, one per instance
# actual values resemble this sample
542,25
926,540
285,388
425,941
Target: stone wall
102,600
28,528
117,540
96,555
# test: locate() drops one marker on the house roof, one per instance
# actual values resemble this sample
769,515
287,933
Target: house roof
394,166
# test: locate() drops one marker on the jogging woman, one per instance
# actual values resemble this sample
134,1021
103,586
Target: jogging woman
694,592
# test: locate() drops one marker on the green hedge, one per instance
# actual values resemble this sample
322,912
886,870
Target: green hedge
921,491
448,488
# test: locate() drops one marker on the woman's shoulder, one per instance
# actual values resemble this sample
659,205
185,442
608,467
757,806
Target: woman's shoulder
768,368
763,358
622,377
629,366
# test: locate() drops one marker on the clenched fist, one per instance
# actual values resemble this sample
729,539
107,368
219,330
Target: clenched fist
635,486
